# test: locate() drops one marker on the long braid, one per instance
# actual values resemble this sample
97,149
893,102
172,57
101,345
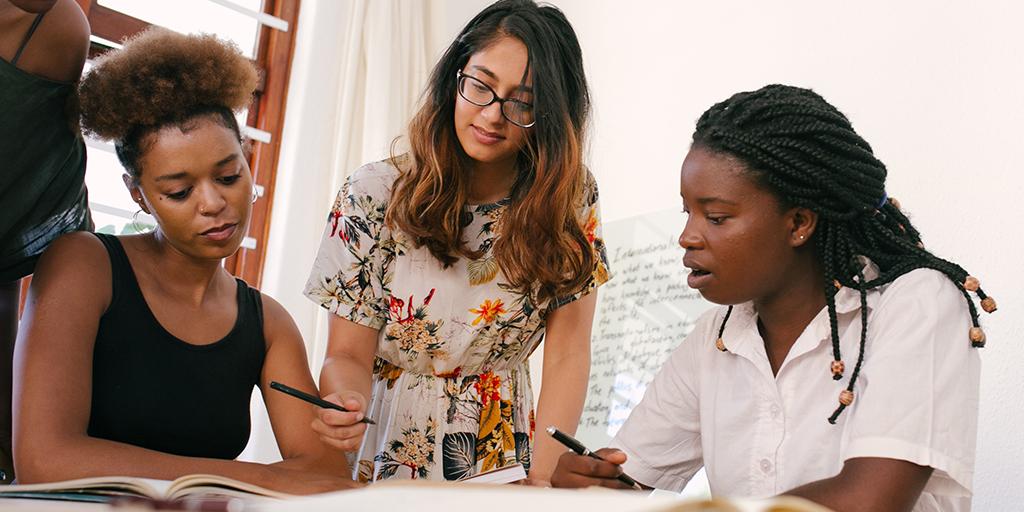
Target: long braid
846,397
807,152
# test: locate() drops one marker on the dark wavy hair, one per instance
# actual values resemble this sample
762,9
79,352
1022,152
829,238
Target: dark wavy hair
803,149
161,78
541,243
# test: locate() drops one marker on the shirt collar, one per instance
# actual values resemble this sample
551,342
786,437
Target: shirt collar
742,338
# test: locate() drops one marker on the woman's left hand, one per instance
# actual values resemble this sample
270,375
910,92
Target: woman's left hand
534,482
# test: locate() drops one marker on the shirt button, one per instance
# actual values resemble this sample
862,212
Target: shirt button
766,466
775,410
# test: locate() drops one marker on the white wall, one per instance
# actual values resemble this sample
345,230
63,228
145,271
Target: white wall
936,87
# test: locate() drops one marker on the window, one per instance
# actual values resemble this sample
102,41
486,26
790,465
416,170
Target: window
264,30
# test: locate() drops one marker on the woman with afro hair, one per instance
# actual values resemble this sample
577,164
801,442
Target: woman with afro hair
138,354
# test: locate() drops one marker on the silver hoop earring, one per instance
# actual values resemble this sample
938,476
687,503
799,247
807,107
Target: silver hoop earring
139,228
255,194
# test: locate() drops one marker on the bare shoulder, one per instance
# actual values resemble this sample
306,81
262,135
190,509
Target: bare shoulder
60,46
68,26
75,264
278,325
78,249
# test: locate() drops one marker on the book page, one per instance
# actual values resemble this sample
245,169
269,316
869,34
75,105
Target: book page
502,475
199,484
102,485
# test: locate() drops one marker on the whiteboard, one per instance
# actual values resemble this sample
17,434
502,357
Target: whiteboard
643,313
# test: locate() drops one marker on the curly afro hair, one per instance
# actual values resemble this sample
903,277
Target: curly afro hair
161,78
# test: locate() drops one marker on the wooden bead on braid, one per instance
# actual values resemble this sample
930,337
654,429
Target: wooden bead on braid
837,369
971,284
977,337
988,304
720,345
895,203
846,397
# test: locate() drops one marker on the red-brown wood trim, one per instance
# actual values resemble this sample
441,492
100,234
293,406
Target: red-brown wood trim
114,25
86,5
274,53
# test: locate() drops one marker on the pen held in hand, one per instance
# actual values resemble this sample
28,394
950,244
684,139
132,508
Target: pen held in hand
576,446
315,400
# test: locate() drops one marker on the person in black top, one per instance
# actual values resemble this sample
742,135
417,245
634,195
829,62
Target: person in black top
43,46
138,354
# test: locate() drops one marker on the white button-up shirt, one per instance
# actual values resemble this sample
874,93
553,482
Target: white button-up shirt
759,434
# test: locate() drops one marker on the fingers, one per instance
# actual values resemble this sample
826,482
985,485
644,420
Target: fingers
342,430
351,400
580,471
338,418
533,482
346,438
611,455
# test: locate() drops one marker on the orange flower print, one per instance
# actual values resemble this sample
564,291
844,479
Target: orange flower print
488,311
454,374
533,424
489,388
590,228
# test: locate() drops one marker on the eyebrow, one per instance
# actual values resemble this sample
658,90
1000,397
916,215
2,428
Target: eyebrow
226,160
706,200
170,177
181,175
484,70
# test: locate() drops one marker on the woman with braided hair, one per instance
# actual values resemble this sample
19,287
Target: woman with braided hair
841,367
139,354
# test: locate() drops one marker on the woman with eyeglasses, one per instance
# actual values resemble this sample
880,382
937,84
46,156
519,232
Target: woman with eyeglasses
445,267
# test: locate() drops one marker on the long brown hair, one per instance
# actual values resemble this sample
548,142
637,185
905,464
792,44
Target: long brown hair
541,248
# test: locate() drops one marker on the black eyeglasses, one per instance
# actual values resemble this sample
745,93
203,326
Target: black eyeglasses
519,113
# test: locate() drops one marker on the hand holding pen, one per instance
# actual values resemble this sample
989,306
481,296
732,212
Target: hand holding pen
339,426
583,468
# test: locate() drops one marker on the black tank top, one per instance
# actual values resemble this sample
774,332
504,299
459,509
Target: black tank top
153,390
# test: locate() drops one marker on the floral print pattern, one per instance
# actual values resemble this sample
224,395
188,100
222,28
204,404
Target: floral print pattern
451,384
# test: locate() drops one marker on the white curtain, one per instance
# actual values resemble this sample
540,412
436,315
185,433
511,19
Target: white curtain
357,74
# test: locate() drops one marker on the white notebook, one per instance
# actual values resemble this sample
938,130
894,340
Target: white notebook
502,475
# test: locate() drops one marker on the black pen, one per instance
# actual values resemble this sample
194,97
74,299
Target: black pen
576,446
315,400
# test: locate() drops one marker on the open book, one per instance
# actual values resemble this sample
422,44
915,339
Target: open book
502,475
107,488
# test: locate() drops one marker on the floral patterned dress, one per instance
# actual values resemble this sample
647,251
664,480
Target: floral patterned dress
451,388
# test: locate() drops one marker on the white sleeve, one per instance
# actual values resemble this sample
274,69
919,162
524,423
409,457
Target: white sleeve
661,437
918,389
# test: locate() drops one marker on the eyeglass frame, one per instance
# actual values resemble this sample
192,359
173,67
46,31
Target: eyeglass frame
459,75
